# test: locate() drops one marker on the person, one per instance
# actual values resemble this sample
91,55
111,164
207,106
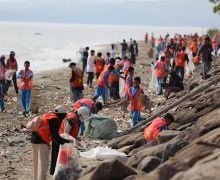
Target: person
146,37
180,61
102,84
134,94
129,80
12,65
25,75
159,124
94,108
114,91
76,82
113,51
107,58
160,73
41,142
2,73
99,64
175,85
90,68
84,58
2,105
124,47
205,52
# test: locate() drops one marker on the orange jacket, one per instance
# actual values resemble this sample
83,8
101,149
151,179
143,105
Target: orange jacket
135,99
26,79
44,129
78,79
99,64
180,59
75,130
152,131
84,102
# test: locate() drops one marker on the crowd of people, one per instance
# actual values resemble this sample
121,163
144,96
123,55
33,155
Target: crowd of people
171,58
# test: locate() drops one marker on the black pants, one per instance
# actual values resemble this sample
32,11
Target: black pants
115,90
2,82
84,61
14,79
90,78
54,154
97,75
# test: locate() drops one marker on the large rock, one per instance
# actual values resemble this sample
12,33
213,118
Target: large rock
113,170
165,136
149,163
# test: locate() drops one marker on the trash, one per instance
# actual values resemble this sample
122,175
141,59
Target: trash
190,67
153,82
67,166
100,127
102,153
9,74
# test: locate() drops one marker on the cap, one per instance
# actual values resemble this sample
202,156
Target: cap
60,109
83,113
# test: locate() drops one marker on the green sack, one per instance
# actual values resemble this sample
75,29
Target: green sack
100,127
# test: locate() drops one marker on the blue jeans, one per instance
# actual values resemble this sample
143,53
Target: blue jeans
180,72
206,67
77,94
159,86
136,117
100,91
26,99
2,105
82,128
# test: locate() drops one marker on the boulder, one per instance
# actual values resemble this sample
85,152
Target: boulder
149,163
113,170
167,135
126,149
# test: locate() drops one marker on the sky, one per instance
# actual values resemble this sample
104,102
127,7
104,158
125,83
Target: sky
196,13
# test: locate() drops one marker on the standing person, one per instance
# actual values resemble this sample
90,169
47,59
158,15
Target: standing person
113,51
99,64
2,105
76,82
2,73
160,73
107,58
11,64
102,84
129,80
146,37
158,124
84,58
41,142
206,56
90,68
124,47
93,107
180,61
26,75
134,94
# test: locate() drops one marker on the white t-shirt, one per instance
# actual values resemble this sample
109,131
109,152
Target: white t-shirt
90,64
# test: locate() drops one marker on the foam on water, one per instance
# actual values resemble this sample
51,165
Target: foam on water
45,45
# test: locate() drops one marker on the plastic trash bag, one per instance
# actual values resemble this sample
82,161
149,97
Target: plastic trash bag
153,82
9,74
121,87
102,153
100,127
190,67
67,166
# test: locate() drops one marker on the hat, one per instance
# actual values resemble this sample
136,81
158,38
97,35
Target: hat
60,109
83,113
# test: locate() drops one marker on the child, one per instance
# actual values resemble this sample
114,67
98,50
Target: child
134,94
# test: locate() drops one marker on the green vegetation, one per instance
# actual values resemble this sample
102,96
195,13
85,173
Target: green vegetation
216,8
212,32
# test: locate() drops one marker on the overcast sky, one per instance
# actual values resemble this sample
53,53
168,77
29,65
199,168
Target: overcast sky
116,12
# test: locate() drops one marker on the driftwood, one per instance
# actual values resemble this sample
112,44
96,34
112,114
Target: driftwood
179,101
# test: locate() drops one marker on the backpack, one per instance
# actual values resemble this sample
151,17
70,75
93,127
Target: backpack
34,124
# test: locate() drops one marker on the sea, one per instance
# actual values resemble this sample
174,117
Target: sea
45,45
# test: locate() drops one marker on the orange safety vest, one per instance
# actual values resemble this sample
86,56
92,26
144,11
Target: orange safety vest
101,81
88,102
78,80
99,64
2,72
44,129
160,70
12,65
193,47
127,86
75,130
196,60
135,100
25,81
180,60
152,131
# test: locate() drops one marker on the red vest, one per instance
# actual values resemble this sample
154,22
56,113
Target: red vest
99,64
180,59
152,131
88,102
160,70
101,81
44,129
25,81
135,100
78,79
75,130
12,65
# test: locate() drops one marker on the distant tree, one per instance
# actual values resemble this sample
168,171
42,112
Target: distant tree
216,8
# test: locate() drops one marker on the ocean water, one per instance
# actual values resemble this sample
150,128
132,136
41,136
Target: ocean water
46,44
